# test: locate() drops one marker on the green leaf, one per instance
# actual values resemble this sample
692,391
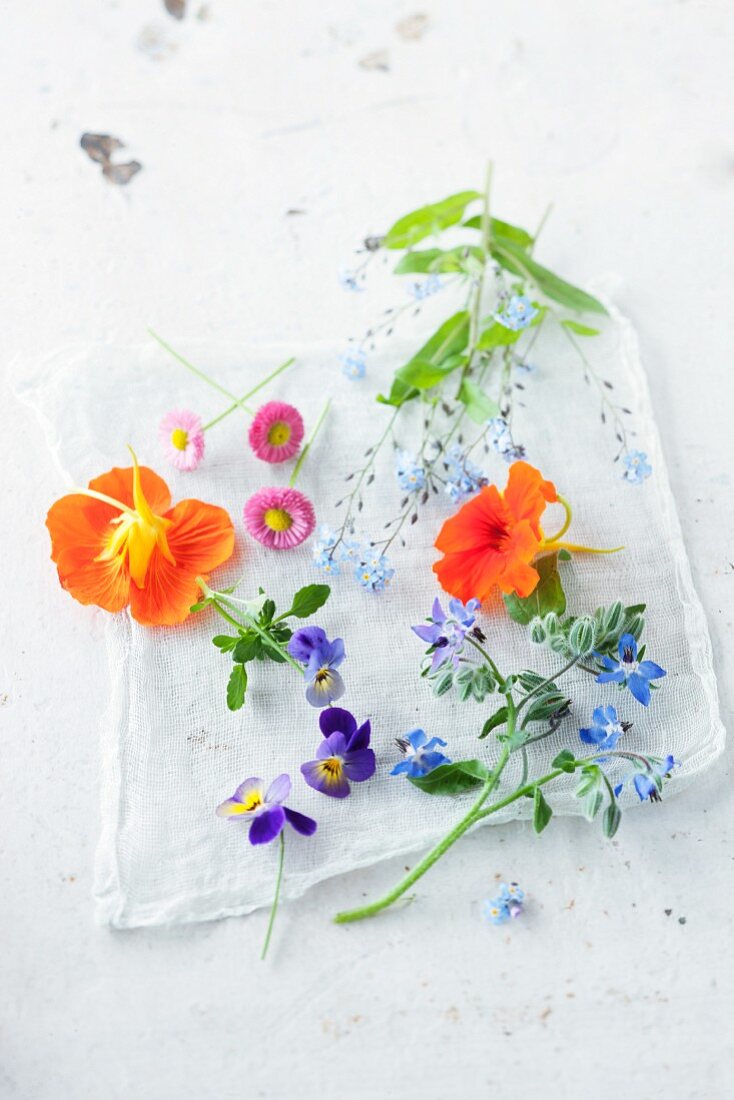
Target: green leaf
565,760
497,336
502,230
309,599
580,330
612,818
479,406
224,642
593,804
237,687
451,779
423,375
542,813
546,705
267,612
421,223
446,344
248,648
432,261
563,554
547,596
519,262
498,718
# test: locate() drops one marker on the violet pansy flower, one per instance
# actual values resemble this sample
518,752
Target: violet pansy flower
321,658
343,756
265,809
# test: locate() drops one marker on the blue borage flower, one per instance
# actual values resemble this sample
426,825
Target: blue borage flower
409,472
649,783
265,809
343,756
463,478
628,671
321,659
446,634
425,288
420,754
506,906
605,730
518,313
636,467
354,363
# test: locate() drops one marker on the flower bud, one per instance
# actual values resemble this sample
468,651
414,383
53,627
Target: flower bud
582,636
537,632
551,623
613,618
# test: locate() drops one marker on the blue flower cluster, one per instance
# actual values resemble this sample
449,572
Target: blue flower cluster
370,567
354,363
636,467
501,441
463,478
409,472
506,906
425,288
518,313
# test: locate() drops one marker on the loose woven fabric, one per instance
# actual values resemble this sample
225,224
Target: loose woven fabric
171,751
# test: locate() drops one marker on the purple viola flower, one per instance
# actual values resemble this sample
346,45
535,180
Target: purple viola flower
420,753
605,730
321,658
445,634
265,811
636,675
343,756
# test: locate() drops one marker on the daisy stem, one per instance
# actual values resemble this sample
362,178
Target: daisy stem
274,907
312,437
250,393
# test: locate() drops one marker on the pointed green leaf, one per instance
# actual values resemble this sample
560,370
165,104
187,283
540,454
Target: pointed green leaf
548,594
502,230
446,344
565,760
497,719
451,779
497,336
612,818
579,329
479,406
542,813
419,224
309,599
519,262
237,687
438,261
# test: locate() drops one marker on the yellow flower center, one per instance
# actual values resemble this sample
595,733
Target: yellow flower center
279,433
332,766
252,802
277,519
179,438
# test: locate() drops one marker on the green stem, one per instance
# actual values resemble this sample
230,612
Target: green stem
218,598
500,678
486,230
545,683
309,444
250,393
274,907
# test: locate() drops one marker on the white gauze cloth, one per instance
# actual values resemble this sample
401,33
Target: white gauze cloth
170,749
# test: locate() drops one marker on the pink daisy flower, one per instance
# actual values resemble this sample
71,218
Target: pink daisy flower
276,432
182,437
279,517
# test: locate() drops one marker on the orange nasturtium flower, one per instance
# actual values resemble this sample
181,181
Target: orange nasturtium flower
494,538
120,542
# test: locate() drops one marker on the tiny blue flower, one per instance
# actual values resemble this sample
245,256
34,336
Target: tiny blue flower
648,784
606,729
373,571
354,363
349,280
496,911
410,474
463,478
628,671
518,313
500,439
636,467
425,288
506,906
420,753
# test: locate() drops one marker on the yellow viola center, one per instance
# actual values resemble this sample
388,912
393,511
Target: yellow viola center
252,802
332,766
136,533
279,433
277,519
179,439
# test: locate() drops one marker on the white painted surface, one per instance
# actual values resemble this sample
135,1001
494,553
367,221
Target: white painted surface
622,114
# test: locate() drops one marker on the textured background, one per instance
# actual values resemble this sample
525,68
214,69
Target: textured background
619,112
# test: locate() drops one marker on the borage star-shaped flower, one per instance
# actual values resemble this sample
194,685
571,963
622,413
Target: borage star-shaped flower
628,671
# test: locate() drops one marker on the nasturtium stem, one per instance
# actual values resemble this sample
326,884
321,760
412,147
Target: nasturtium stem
309,444
274,907
567,522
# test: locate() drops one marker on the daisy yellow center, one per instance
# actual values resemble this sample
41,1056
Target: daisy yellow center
279,433
179,438
277,519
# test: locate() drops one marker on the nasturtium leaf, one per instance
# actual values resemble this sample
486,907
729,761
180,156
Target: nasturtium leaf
445,346
563,554
497,719
497,336
419,224
542,813
450,779
439,261
236,687
309,599
501,230
547,596
565,760
519,262
579,329
612,818
479,407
